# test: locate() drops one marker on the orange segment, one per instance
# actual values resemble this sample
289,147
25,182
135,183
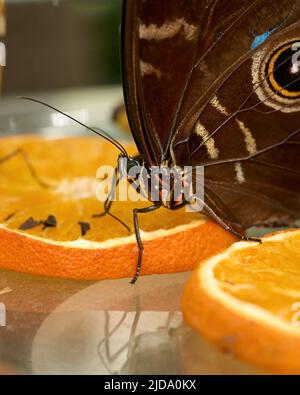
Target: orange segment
106,250
247,301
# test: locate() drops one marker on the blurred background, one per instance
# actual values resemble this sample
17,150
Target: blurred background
65,52
56,44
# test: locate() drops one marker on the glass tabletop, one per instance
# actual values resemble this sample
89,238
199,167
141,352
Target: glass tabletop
107,327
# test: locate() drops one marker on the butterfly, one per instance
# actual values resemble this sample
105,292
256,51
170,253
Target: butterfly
213,84
216,83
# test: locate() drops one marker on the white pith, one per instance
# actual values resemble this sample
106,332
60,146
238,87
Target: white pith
111,243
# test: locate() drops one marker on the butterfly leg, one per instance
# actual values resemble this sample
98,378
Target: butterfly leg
107,206
179,206
108,202
226,225
22,153
136,212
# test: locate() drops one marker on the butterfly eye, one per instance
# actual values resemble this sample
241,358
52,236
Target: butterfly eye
283,71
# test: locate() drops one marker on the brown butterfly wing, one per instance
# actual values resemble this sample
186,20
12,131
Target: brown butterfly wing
174,50
267,194
159,41
247,137
188,63
229,31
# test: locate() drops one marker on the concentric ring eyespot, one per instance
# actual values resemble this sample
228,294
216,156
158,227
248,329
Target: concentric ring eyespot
275,73
283,71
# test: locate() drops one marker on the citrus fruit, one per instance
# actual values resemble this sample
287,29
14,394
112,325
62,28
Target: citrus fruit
246,300
49,224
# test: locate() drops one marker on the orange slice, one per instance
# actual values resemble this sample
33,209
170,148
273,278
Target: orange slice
247,301
53,231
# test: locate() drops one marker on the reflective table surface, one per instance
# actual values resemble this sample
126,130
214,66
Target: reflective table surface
107,327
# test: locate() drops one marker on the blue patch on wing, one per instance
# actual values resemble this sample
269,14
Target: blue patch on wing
262,38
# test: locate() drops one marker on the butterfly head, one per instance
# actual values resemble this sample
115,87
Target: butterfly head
128,166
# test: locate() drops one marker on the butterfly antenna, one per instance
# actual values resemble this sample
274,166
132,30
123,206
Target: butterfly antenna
99,131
